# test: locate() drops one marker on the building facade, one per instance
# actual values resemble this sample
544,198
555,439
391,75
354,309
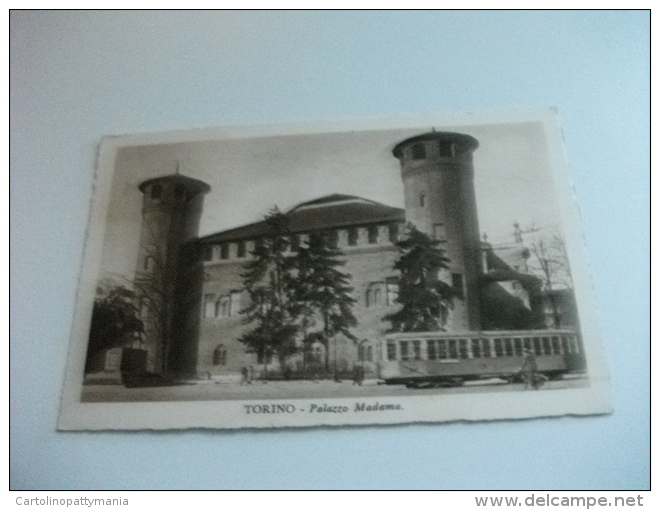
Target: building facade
193,321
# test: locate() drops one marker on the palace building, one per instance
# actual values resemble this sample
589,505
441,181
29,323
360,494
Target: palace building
191,289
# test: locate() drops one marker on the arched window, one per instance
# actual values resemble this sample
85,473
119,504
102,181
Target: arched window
220,355
149,263
377,293
422,200
365,353
222,307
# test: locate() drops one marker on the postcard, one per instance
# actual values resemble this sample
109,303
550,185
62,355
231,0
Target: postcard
368,272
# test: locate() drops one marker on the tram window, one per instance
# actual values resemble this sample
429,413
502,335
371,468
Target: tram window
537,346
499,348
417,349
508,347
442,349
430,349
403,346
556,346
564,344
391,351
476,348
485,346
547,348
453,351
463,348
518,343
527,342
574,345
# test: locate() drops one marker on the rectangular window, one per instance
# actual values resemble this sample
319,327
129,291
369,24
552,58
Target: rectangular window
518,346
403,347
453,349
508,346
476,348
208,252
576,346
556,346
430,349
499,348
446,149
547,346
538,350
373,234
418,151
457,283
463,348
240,249
391,351
224,251
394,232
352,236
485,347
442,349
417,349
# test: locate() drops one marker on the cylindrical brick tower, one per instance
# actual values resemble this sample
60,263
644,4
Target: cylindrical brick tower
437,173
171,210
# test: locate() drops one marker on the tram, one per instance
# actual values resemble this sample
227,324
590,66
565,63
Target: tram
450,359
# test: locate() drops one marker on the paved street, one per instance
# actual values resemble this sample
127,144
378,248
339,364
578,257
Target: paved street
294,389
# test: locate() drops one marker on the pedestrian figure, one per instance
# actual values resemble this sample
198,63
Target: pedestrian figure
528,370
244,375
358,375
250,374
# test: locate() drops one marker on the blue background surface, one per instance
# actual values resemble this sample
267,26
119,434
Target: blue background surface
77,76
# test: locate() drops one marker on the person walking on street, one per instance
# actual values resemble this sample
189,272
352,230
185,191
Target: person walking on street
528,370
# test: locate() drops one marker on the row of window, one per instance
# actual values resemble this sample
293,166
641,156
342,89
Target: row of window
378,294
156,191
223,305
374,234
446,149
465,348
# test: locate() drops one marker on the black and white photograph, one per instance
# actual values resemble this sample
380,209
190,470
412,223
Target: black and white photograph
402,271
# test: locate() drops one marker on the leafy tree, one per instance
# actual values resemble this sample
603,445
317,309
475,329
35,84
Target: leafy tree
266,280
426,300
114,321
321,292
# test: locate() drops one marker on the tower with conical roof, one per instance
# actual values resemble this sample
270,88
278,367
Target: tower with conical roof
439,197
171,210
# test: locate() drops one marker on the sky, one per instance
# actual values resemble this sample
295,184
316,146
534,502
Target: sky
248,175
